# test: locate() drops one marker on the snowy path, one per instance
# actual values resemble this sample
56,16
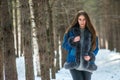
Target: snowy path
108,68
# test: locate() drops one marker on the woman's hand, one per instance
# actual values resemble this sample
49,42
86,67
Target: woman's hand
87,58
77,38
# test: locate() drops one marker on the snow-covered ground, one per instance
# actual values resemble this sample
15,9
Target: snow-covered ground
108,67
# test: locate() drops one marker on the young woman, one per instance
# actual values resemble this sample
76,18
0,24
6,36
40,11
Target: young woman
82,45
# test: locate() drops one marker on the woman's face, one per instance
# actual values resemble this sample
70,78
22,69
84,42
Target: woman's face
82,21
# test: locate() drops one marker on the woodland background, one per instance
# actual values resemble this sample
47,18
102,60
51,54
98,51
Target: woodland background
25,24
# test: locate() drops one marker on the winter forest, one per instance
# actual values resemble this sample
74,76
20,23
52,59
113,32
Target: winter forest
32,31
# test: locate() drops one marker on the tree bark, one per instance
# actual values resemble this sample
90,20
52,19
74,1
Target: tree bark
40,20
1,47
1,54
27,35
9,51
15,18
50,38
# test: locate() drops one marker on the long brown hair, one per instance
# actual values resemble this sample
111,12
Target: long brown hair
88,25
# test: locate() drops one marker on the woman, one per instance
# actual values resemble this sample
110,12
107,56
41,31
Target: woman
82,45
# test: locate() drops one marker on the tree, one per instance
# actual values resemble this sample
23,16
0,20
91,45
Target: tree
9,51
15,20
1,47
39,7
50,36
27,35
1,54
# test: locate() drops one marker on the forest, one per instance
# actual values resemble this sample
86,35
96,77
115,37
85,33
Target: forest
37,27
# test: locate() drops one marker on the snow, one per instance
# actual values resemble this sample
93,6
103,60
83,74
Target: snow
21,68
108,67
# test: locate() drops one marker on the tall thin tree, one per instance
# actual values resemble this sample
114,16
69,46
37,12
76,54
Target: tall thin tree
28,49
15,24
50,36
9,51
40,20
1,47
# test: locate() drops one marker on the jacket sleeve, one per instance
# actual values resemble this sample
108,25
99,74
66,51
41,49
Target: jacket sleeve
68,41
97,48
65,44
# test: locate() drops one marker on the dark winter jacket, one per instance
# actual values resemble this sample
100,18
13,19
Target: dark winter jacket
73,48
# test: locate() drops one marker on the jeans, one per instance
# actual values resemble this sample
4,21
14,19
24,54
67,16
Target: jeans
80,75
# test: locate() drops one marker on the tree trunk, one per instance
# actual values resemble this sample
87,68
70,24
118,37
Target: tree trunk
1,55
57,56
28,50
9,52
1,47
40,20
50,38
15,18
118,23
